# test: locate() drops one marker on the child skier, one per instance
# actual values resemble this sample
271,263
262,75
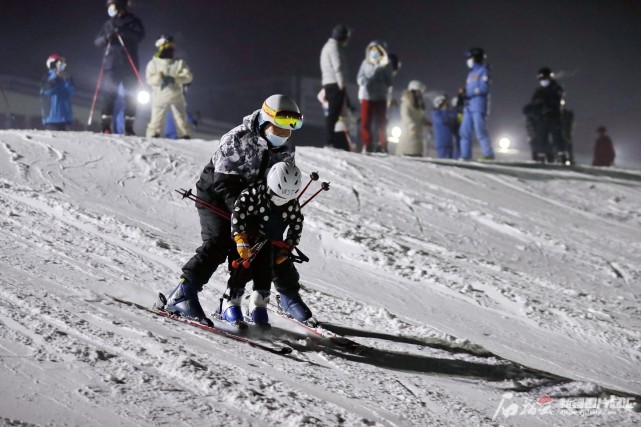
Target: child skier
58,85
444,121
167,77
256,217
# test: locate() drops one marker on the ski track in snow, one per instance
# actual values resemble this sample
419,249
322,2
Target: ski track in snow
82,215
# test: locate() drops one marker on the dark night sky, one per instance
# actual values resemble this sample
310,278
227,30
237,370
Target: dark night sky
593,45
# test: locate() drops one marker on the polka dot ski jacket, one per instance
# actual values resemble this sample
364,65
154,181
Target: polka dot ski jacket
254,214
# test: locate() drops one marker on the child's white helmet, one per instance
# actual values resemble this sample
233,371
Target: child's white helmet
284,181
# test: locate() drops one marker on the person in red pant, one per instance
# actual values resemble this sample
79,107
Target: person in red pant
374,82
603,149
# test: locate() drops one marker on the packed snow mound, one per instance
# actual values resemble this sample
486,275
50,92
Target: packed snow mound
446,268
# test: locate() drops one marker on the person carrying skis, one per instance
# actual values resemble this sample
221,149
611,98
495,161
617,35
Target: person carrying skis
117,69
244,156
477,94
257,215
167,77
59,86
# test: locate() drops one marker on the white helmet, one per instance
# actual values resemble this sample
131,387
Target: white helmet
282,112
53,59
416,85
439,100
284,181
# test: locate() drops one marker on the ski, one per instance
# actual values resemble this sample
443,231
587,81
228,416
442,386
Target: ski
281,350
334,339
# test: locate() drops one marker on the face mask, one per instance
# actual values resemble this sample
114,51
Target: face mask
374,55
112,11
61,67
470,63
544,83
278,201
275,140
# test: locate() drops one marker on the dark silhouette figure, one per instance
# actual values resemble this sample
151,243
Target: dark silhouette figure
603,149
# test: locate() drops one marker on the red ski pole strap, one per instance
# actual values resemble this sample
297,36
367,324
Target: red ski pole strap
187,194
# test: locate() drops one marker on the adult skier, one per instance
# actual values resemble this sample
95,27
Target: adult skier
252,219
333,65
546,118
59,87
118,70
477,94
167,77
244,156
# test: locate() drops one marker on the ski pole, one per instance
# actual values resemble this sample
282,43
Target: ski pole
102,71
324,187
312,177
131,61
299,257
187,194
247,262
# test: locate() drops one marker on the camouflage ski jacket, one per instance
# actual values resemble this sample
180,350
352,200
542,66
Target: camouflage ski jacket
243,157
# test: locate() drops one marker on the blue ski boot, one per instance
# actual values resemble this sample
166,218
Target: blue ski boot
257,308
183,301
294,306
230,310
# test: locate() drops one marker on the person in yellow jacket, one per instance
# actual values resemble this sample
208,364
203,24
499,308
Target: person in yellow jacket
167,76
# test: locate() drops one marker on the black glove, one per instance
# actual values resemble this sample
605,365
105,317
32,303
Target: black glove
166,81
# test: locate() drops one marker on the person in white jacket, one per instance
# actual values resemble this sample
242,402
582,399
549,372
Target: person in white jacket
333,65
167,77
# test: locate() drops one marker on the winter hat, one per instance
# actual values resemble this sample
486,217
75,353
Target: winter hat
439,101
545,73
416,85
477,53
165,45
120,4
53,59
340,33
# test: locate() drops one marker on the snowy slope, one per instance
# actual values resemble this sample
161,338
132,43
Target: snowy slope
435,265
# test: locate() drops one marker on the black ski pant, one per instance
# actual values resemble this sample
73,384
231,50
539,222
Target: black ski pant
110,83
217,247
263,271
335,100
550,127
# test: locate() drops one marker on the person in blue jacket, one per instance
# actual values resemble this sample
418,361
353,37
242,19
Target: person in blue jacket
58,86
477,94
443,122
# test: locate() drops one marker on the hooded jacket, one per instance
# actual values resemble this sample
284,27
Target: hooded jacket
374,78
